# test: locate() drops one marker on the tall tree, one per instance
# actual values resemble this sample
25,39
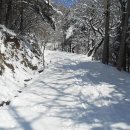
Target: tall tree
105,57
122,51
21,16
8,14
1,6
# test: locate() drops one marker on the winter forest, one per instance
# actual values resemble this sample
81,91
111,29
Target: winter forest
65,64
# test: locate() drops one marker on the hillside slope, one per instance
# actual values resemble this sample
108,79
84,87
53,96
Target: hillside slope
19,61
73,93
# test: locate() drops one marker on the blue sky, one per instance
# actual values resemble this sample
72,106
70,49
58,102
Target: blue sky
67,3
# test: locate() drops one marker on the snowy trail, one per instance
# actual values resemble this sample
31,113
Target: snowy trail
73,93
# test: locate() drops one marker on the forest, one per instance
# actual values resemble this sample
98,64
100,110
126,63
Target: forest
95,28
64,64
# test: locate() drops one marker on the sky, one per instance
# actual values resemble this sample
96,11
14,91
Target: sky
66,3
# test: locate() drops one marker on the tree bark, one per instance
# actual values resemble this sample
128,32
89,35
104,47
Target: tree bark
121,56
105,57
9,8
1,7
21,18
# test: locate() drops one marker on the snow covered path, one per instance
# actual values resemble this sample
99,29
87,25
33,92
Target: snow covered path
73,93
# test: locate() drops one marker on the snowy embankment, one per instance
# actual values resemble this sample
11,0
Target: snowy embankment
19,61
73,93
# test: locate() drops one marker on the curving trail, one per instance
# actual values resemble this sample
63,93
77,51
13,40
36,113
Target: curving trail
73,93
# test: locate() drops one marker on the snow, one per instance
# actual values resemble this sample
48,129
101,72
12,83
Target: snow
4,29
69,32
73,93
57,11
12,78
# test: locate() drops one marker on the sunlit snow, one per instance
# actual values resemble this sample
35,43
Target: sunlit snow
73,93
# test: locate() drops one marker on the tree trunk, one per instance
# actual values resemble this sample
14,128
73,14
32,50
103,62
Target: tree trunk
8,13
64,40
105,57
21,18
120,62
1,7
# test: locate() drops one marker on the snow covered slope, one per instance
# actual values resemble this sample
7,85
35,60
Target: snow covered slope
19,61
73,93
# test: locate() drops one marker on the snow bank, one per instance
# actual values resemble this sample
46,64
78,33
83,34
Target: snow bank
19,61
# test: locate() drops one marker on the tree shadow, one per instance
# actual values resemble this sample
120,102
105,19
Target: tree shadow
115,112
63,99
19,119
